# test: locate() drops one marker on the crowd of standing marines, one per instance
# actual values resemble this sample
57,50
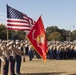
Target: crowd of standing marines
12,52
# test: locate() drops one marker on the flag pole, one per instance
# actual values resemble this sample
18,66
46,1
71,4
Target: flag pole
0,66
7,35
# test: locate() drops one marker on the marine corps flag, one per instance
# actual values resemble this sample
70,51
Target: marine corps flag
37,37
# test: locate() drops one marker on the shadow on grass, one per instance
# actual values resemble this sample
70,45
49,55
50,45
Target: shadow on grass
51,73
72,74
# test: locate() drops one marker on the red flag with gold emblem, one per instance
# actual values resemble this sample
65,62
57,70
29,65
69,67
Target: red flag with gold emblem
37,37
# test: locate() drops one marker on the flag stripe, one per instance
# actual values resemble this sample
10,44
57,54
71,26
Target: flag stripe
19,28
18,25
19,21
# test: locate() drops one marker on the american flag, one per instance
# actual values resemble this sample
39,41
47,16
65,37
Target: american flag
17,20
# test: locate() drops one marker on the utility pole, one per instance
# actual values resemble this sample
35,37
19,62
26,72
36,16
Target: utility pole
69,35
73,28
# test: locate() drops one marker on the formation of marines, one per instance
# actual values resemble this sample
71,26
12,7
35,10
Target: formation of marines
62,51
12,52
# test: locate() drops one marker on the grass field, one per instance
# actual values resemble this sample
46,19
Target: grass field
50,67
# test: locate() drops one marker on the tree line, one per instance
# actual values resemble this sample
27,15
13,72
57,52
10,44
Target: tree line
12,35
52,33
